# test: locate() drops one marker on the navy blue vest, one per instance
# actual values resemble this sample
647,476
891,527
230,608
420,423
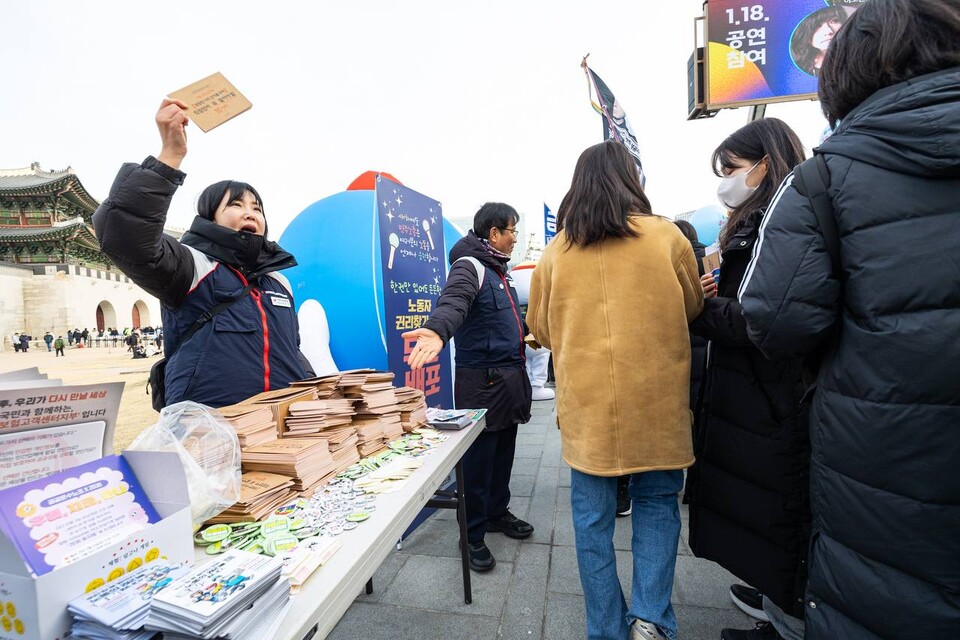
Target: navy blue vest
249,348
492,334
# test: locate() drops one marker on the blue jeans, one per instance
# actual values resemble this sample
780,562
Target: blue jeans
656,533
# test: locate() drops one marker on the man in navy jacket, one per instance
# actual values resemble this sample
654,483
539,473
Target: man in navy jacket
480,309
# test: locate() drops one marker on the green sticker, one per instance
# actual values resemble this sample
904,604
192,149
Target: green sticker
358,516
216,533
275,526
215,548
297,523
255,545
280,543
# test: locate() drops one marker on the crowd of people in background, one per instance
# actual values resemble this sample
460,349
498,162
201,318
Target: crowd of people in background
142,342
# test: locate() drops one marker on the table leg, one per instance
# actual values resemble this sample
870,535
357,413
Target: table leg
369,587
462,520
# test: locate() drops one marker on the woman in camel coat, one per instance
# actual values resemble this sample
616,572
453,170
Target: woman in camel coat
612,297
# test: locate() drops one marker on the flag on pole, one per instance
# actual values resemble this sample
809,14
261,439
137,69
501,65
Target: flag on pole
549,224
615,123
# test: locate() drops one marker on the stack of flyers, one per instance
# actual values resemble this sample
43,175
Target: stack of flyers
238,596
310,554
453,418
117,610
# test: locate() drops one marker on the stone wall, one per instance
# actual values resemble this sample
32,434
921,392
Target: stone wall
65,297
12,318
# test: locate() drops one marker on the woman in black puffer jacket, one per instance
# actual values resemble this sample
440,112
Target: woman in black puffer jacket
698,345
748,490
885,427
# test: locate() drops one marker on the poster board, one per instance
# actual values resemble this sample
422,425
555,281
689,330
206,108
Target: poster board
413,274
56,427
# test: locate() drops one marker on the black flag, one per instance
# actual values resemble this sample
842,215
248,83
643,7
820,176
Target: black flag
615,123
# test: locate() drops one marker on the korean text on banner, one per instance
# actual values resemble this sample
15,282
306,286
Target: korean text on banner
414,273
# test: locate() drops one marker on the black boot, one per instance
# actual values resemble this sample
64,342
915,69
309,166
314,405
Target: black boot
480,557
510,526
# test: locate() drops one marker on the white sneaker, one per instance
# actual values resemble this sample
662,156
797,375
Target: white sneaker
643,630
542,393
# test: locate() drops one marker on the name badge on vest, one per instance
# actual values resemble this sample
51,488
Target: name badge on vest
280,302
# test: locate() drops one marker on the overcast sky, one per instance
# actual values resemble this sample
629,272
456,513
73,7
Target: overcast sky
464,102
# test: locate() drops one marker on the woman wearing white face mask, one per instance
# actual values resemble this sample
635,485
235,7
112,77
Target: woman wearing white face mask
748,488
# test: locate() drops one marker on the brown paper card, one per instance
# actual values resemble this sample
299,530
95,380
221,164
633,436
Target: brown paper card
711,262
256,483
212,101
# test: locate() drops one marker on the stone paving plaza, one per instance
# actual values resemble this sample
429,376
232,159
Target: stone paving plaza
534,591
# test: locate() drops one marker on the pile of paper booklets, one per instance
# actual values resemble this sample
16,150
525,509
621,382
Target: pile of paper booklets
237,596
317,428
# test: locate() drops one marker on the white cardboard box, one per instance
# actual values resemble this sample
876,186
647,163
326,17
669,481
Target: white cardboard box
35,608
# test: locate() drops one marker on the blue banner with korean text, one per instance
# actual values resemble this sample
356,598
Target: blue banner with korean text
414,273
549,224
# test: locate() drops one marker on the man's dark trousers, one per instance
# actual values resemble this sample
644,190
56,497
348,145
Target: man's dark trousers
486,473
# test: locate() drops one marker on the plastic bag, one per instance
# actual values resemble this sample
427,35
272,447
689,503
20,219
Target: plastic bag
209,451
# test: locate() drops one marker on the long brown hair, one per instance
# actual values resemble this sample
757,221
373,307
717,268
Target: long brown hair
767,138
604,192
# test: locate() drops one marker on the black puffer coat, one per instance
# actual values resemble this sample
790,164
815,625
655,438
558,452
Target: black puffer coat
885,425
250,347
698,344
748,491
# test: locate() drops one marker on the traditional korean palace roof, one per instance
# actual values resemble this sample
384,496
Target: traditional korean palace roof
76,230
64,187
72,238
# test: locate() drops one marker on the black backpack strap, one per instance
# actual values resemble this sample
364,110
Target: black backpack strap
812,179
207,316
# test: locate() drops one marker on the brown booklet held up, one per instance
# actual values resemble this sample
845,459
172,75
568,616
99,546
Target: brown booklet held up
212,101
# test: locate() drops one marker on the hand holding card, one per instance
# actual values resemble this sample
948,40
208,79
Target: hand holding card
211,101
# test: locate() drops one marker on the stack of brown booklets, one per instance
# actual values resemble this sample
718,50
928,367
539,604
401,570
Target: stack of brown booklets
392,426
260,494
313,416
254,424
306,460
369,434
357,377
280,400
345,452
413,408
325,386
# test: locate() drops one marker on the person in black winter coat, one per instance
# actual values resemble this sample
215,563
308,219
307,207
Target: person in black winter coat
698,345
748,489
885,426
252,345
480,308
